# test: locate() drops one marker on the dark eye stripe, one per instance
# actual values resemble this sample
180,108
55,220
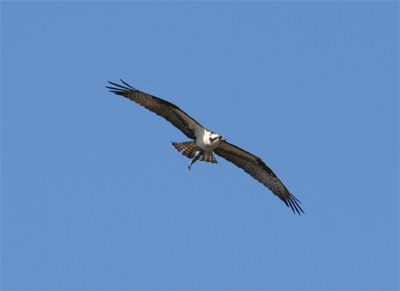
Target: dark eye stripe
215,138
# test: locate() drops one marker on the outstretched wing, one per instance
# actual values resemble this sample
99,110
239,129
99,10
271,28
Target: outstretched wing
254,166
163,108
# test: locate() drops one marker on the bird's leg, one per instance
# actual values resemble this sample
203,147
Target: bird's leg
196,156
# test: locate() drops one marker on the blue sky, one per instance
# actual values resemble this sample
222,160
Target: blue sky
95,197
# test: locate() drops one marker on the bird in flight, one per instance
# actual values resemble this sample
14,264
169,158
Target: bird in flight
205,142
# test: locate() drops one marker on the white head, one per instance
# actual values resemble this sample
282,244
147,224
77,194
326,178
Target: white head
216,139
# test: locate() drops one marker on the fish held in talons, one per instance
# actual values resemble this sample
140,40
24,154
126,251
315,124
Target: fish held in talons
195,158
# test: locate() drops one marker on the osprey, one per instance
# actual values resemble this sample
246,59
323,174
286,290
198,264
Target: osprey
205,142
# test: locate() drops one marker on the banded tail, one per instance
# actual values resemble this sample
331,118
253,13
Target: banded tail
188,149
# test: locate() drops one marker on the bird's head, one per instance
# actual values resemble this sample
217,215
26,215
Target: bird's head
216,138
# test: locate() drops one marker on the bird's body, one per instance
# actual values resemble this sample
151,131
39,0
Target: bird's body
205,142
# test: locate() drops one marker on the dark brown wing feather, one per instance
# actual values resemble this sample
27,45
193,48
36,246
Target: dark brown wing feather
163,108
254,166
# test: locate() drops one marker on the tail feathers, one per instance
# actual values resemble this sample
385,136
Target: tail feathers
208,157
188,149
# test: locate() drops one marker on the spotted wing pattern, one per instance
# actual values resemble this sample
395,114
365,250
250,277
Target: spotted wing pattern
254,166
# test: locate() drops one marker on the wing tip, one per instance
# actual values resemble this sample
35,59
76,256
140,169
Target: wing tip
294,204
120,89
